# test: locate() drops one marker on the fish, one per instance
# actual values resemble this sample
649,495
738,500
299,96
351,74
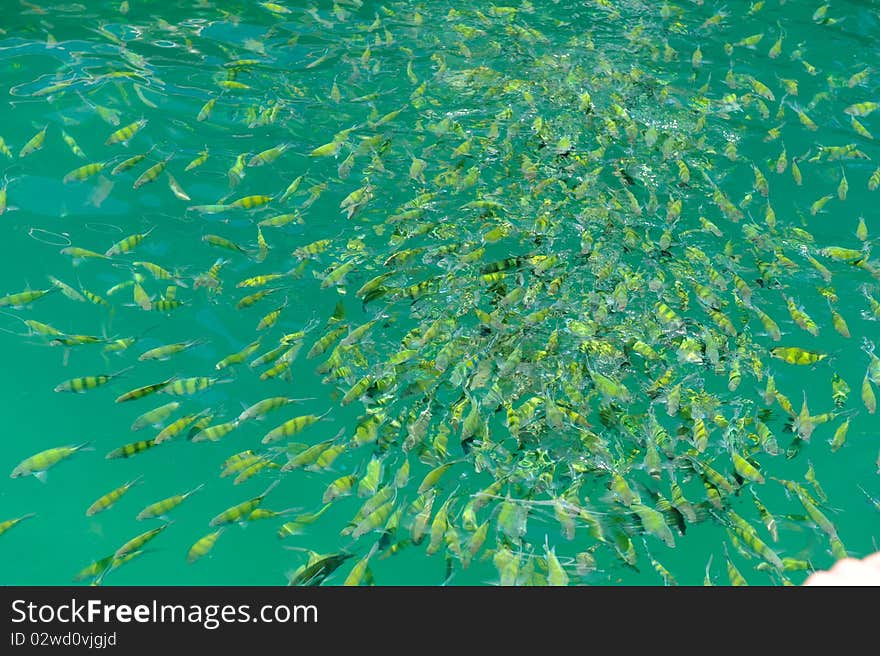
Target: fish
268,156
291,427
127,244
26,297
39,464
199,160
131,449
85,383
161,508
259,409
146,390
214,432
137,542
106,501
797,355
33,144
84,172
190,386
152,174
317,571
165,351
8,524
240,512
203,546
124,134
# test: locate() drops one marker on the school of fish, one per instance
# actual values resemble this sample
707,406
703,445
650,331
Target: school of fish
573,341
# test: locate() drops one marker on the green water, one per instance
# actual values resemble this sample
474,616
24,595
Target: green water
456,72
